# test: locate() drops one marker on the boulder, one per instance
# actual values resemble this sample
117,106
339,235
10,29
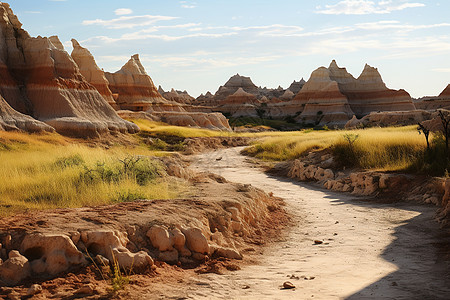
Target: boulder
15,269
195,240
51,253
112,245
159,237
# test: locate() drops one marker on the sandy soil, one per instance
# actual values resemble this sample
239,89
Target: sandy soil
369,251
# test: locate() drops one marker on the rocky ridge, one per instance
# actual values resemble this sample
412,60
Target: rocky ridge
42,81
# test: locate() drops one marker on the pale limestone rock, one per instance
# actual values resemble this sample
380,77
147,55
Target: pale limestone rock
112,245
15,269
228,253
159,236
177,238
195,240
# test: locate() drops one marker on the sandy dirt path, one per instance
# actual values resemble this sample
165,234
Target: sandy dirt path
370,250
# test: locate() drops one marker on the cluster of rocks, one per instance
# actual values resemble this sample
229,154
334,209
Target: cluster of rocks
320,168
47,255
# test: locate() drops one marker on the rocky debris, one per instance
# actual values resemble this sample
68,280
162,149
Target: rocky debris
86,290
15,269
181,231
41,80
112,245
392,185
51,253
196,241
287,285
444,211
34,289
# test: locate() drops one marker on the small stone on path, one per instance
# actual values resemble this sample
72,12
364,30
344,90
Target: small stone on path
288,285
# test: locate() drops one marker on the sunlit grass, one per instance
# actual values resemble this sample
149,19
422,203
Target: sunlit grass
40,172
388,149
186,132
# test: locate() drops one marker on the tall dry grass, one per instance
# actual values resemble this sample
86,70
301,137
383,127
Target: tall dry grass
387,149
47,171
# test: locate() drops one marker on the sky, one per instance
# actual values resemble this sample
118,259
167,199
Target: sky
196,45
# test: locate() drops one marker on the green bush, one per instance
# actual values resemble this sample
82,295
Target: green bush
141,169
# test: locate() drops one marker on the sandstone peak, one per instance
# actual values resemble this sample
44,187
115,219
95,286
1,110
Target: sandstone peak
160,90
333,65
56,42
446,92
241,92
133,67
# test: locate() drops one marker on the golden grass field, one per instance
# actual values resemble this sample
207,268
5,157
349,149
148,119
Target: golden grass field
49,170
384,149
43,171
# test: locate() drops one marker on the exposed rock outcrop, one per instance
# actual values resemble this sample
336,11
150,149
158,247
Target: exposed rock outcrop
177,96
42,80
93,74
133,87
235,83
296,86
239,104
13,120
342,95
390,118
433,103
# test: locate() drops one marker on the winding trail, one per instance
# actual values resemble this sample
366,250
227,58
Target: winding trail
370,250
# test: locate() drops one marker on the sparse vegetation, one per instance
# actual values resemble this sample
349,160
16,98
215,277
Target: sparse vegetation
386,149
49,171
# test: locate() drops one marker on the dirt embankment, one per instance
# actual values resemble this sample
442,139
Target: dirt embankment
321,168
213,225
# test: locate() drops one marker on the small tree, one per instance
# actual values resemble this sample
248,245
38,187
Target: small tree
426,133
445,120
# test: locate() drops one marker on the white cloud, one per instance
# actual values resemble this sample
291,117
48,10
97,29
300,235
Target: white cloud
364,7
187,4
128,21
442,70
123,11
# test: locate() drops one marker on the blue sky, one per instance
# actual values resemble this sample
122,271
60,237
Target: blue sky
197,45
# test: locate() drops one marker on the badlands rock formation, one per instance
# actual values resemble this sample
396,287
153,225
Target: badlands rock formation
11,119
334,91
133,87
433,103
235,83
296,86
93,74
239,104
177,96
41,80
390,118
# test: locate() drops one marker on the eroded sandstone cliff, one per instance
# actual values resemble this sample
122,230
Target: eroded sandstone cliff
42,80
